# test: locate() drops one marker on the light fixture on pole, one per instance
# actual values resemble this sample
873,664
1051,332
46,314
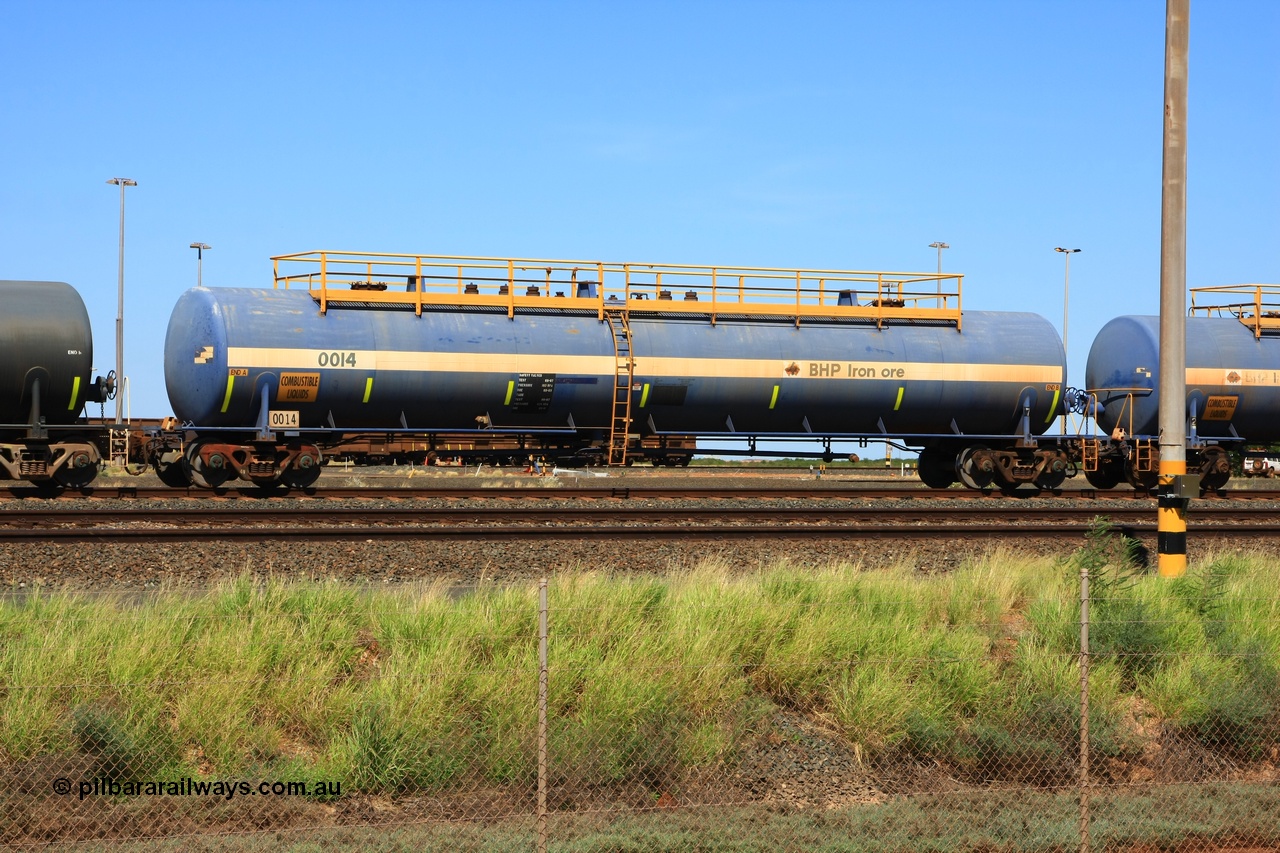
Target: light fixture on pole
122,183
939,246
1066,290
200,247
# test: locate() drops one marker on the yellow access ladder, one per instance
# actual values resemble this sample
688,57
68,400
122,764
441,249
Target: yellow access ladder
623,373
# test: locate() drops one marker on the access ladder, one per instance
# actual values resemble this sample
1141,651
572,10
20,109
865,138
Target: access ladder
623,373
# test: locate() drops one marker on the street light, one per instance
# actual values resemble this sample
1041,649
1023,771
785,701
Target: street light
939,246
121,183
200,247
1066,290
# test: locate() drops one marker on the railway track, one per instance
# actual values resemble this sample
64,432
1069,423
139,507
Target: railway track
949,521
536,492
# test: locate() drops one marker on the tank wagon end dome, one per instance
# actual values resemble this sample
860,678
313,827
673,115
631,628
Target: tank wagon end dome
195,354
45,334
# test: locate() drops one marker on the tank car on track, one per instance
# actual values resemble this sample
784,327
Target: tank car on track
46,355
1232,389
608,354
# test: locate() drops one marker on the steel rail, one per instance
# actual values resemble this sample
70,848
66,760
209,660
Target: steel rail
536,492
568,517
1069,531
937,526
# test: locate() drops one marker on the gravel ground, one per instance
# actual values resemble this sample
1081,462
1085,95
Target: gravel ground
462,562
118,565
795,762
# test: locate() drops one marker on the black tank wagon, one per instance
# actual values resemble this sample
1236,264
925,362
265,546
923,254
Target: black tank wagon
46,355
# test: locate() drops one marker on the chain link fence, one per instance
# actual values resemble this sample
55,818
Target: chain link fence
1056,705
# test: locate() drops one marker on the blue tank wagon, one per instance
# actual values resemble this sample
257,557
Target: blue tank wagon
1232,390
46,355
429,344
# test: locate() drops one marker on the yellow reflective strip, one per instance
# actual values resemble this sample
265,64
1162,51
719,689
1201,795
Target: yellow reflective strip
75,392
898,402
368,388
644,395
226,399
774,400
511,389
1053,407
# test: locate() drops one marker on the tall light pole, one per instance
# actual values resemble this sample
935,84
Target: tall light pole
200,247
1066,290
939,246
122,183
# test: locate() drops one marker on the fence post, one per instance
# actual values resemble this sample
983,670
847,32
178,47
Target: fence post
1084,707
542,716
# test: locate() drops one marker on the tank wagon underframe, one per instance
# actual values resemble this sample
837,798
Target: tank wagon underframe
610,354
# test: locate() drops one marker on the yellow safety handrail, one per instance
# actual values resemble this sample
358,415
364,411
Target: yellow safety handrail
516,283
1255,305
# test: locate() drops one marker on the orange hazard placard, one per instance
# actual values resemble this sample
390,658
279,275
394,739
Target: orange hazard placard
298,388
1220,408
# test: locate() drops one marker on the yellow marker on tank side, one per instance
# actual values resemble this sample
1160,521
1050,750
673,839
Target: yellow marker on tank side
898,402
644,395
1053,407
75,392
774,400
511,389
226,400
368,388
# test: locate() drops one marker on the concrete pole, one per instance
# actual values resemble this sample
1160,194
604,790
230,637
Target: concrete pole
1171,522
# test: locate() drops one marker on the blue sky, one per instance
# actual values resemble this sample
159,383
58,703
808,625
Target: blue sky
836,135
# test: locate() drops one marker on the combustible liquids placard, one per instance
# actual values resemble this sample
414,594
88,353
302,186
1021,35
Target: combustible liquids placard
298,388
1220,408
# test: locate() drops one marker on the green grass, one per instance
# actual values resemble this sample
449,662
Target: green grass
654,681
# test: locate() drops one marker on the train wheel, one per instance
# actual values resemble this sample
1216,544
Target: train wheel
171,470
206,475
75,478
937,468
303,473
78,471
1215,468
1108,475
968,471
1142,481
1051,479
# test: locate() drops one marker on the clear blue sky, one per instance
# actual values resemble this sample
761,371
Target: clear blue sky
813,134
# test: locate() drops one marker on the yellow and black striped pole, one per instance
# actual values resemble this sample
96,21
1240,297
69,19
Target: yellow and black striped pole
1171,519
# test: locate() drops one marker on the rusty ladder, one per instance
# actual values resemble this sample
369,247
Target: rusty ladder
1089,454
623,372
1146,455
119,446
